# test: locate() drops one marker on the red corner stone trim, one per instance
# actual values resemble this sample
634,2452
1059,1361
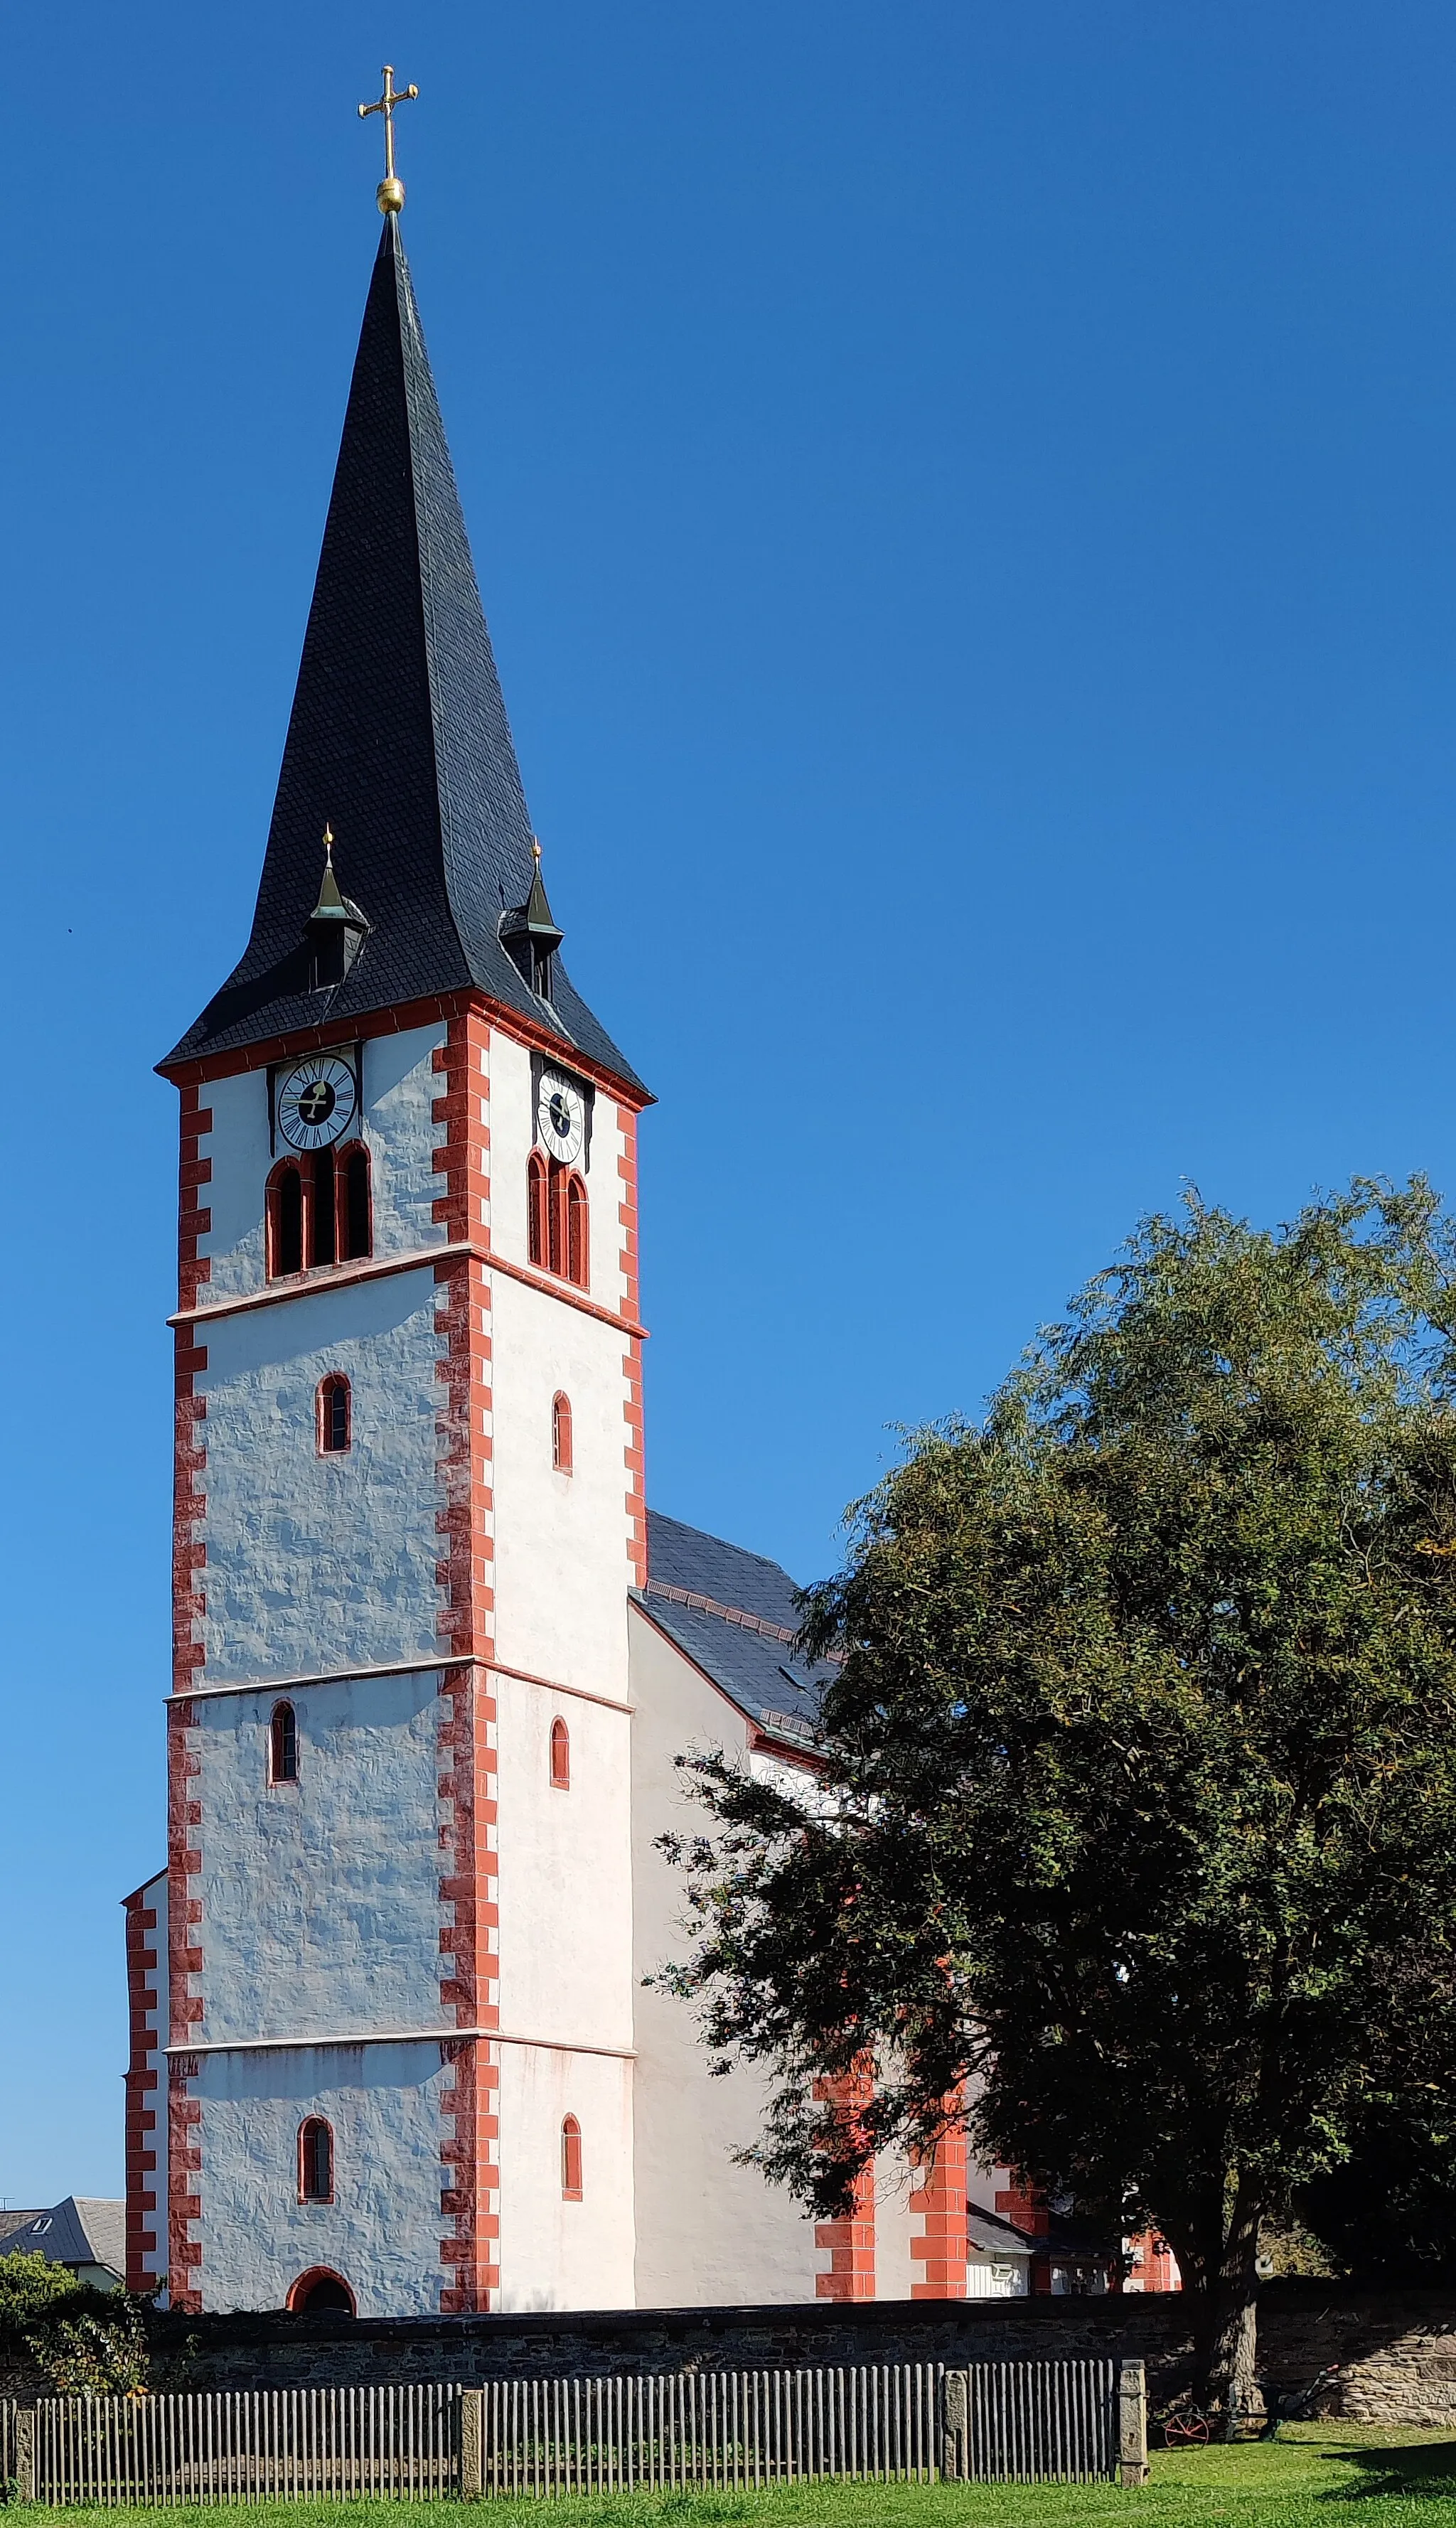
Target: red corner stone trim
185,1966
942,2247
1027,2209
469,1916
184,1763
146,2226
851,2242
637,1512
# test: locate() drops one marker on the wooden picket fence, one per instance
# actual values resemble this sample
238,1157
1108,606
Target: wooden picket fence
710,2427
1074,2422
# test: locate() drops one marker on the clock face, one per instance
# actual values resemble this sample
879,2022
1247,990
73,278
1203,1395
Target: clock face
560,1116
316,1101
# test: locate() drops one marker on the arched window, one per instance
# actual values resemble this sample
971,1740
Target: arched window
578,1260
560,1756
562,1434
538,1199
322,1210
283,1745
571,2161
315,2161
284,1220
320,2291
356,1205
556,1219
335,1415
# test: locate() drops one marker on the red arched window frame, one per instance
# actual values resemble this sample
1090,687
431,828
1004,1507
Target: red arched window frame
335,1409
353,1185
561,1457
578,1245
319,1210
287,1228
321,2287
315,2160
538,1216
556,1219
560,1756
283,1744
571,2161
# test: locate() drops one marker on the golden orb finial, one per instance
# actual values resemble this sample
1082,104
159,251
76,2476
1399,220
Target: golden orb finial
390,194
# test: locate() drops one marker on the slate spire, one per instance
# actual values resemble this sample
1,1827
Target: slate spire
397,738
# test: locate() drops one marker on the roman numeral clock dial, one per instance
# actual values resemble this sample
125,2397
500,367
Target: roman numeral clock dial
560,1117
316,1102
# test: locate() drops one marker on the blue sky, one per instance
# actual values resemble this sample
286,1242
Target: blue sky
964,500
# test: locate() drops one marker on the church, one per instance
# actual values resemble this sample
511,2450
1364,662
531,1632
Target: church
433,1656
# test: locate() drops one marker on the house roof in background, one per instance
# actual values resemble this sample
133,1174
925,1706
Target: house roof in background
83,2229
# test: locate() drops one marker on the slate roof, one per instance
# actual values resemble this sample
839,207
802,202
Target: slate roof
85,2229
989,2235
398,737
755,1661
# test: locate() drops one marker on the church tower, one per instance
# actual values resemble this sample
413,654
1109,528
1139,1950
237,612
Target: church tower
383,1997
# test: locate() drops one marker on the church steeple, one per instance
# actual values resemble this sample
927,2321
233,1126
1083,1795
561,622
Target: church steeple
398,739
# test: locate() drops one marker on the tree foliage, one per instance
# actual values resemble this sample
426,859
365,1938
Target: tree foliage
1136,1830
28,2286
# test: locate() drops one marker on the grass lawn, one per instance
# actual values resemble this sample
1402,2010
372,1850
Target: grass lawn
1314,2472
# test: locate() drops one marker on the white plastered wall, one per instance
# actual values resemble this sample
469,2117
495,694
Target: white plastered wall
383,2230
708,2230
561,1569
401,1087
321,1898
555,2254
564,1858
320,1562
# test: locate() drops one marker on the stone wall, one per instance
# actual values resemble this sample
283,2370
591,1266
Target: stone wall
1397,2350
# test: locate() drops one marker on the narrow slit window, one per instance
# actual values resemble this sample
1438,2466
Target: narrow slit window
556,1218
561,1457
560,1756
285,1221
538,1199
283,1744
315,2161
335,1416
358,1205
323,1211
571,2160
577,1258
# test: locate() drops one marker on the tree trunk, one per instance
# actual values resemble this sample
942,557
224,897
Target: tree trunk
1234,2314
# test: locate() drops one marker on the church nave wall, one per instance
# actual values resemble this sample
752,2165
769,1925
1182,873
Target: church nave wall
708,2230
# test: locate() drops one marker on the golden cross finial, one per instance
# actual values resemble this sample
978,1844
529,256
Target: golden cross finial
535,851
390,194
328,845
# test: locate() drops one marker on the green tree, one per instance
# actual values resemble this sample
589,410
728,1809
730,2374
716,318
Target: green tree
1136,1833
28,2286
